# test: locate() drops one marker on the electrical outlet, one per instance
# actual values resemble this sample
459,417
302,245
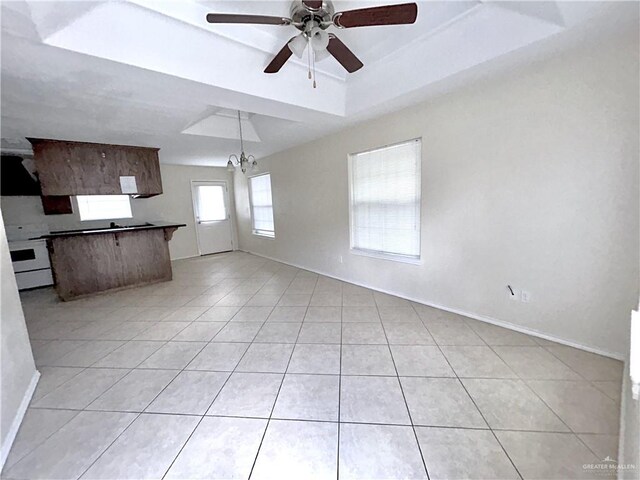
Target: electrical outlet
525,296
340,259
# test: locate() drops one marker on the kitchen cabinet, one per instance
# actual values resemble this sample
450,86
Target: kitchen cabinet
92,261
57,205
82,168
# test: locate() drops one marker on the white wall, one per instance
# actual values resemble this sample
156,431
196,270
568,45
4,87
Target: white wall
629,447
18,375
174,205
529,180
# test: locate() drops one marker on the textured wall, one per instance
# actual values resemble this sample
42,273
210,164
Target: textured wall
530,179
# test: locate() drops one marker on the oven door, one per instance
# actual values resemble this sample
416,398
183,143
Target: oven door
29,255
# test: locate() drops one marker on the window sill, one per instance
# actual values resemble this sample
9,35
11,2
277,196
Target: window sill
104,219
264,235
386,256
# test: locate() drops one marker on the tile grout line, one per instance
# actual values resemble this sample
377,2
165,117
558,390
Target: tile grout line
524,381
142,412
474,403
284,375
166,386
303,420
204,415
245,279
526,384
406,404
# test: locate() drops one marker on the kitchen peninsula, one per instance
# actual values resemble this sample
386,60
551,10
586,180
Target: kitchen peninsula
125,257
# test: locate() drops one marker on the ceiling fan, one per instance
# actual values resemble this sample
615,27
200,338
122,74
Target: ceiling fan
313,18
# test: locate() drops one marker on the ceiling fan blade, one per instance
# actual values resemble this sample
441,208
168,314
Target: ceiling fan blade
280,59
255,19
313,4
343,55
388,15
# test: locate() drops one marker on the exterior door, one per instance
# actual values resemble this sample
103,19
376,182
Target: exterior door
213,220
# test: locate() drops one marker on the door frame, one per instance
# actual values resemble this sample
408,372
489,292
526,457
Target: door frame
195,215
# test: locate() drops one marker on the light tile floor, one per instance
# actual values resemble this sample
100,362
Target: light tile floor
244,367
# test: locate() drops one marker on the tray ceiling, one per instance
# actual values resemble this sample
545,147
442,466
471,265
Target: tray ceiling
156,74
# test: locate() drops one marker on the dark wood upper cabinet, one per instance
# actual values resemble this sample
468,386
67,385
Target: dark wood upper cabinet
58,205
81,168
143,164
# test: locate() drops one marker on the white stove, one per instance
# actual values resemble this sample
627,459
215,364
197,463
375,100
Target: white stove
30,258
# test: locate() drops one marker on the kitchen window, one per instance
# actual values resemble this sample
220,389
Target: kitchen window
261,204
103,207
385,201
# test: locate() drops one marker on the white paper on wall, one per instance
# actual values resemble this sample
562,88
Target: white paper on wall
128,184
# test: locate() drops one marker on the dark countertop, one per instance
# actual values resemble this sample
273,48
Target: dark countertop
98,231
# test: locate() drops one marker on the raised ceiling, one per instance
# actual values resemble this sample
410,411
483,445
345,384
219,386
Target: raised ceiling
154,73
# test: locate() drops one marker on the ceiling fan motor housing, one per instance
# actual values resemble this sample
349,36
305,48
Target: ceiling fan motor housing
301,15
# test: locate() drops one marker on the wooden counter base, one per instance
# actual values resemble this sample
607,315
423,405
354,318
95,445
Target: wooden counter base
86,264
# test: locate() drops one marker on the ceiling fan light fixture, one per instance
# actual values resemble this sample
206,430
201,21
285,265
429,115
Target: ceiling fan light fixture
297,45
321,54
312,18
319,39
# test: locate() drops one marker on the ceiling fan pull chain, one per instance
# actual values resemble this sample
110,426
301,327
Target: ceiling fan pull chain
314,69
309,56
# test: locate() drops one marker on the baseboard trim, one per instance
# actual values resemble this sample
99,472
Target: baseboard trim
17,421
184,258
205,255
475,316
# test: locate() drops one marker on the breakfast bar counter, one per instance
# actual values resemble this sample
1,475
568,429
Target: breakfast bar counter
85,262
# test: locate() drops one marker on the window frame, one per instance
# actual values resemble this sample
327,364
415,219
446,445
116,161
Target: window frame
381,255
78,201
254,231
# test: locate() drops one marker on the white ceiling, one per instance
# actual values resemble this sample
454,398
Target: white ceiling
154,73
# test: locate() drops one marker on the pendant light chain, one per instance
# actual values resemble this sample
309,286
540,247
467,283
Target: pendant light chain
240,125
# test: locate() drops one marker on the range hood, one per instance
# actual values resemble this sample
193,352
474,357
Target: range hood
17,176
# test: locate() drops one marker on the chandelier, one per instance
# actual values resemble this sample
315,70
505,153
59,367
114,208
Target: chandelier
244,162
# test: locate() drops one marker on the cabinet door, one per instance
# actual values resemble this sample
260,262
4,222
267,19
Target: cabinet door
143,164
85,264
144,256
58,205
69,168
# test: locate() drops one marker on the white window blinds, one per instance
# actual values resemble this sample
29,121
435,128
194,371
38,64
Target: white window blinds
385,200
261,205
103,207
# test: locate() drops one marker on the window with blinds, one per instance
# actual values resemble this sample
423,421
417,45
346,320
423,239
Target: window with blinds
385,201
261,205
103,207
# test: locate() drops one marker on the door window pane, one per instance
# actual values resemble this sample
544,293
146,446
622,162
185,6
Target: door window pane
211,207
